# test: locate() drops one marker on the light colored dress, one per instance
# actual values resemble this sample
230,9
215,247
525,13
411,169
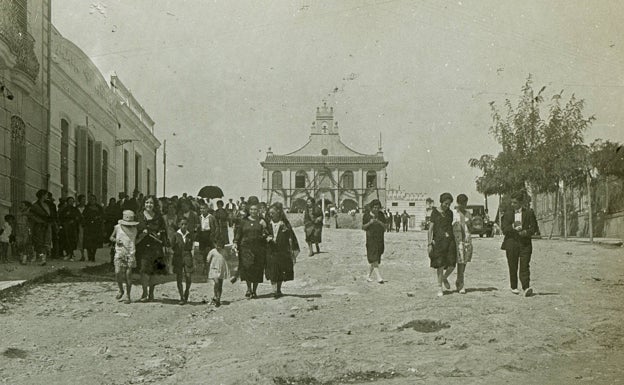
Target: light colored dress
218,265
125,250
461,232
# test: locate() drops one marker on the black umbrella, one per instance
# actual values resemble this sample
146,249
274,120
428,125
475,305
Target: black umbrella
210,192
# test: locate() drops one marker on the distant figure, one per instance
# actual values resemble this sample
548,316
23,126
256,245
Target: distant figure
313,223
40,215
221,217
397,221
405,220
389,220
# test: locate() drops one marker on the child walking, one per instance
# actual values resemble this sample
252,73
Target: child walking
183,263
217,270
124,238
374,223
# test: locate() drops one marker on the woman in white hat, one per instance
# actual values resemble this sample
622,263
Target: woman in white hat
124,237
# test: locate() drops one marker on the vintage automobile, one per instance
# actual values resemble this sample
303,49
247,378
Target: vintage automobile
481,224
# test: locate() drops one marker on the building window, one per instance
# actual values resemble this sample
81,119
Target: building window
64,158
137,172
276,179
104,175
412,204
126,167
300,179
149,181
90,168
324,151
18,162
371,179
394,204
347,180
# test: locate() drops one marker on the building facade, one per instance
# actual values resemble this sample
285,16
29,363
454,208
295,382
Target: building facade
24,99
101,139
415,204
324,168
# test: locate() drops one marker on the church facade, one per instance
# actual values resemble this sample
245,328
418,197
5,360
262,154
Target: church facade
324,168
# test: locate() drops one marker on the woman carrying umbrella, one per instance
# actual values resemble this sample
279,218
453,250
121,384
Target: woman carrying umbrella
250,244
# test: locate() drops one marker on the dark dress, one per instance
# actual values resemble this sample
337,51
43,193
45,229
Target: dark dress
221,234
69,218
374,237
313,226
93,222
251,241
151,254
112,214
279,263
444,253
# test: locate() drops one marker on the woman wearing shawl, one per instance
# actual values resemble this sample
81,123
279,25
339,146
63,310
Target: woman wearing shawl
282,250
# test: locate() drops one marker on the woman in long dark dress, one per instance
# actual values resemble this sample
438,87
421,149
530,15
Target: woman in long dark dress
250,244
69,218
374,223
152,241
282,250
441,245
313,224
93,222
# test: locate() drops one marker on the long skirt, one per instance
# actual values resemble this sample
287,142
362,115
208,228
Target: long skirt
279,267
251,264
313,233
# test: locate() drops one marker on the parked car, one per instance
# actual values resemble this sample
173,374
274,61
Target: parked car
480,222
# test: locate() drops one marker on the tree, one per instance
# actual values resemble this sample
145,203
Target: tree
536,153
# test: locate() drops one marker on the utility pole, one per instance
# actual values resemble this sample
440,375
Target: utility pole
164,166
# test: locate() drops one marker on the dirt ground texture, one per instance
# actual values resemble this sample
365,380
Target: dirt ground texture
333,327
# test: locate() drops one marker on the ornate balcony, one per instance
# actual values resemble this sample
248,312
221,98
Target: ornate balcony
17,47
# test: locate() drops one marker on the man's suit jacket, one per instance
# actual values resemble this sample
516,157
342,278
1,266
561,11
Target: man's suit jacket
513,238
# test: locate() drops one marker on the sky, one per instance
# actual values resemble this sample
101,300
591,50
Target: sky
226,80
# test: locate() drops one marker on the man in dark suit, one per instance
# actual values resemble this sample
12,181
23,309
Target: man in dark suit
518,225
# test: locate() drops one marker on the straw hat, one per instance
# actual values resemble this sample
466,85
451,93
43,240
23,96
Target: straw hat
128,219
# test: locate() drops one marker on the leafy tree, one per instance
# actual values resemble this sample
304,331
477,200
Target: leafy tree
608,157
536,153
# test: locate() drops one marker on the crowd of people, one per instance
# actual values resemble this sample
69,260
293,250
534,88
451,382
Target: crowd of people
178,235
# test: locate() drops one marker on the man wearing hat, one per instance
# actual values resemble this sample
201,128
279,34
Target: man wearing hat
124,237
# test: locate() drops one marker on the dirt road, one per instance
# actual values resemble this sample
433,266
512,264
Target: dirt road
333,327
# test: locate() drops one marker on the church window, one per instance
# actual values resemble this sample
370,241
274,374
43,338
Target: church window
300,179
324,151
277,179
347,179
371,179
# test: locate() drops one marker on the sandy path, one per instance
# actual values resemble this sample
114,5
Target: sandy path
333,327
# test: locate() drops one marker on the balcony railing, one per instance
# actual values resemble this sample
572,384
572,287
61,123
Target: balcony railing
17,39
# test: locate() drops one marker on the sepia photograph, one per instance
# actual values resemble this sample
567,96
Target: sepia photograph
311,192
